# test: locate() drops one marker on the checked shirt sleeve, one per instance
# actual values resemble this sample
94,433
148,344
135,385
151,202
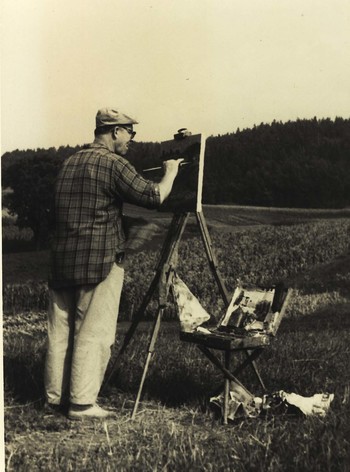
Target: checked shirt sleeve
132,187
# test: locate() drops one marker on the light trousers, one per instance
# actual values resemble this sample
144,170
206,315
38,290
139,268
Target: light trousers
82,323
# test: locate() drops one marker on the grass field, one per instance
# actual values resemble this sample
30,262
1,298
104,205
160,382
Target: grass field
176,429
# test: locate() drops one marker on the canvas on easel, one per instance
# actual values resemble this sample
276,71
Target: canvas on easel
186,194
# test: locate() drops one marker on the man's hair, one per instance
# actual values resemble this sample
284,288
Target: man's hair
104,129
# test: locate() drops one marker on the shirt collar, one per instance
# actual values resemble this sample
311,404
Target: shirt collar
96,146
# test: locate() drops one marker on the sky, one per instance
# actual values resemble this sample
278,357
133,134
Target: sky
211,66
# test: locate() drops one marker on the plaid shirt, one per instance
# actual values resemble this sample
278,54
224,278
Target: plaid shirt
90,190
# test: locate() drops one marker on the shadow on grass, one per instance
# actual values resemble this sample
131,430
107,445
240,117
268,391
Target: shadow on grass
333,275
177,388
174,388
23,378
336,317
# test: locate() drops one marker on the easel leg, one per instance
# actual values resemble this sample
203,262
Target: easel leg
211,256
250,360
168,250
227,386
257,373
162,280
148,359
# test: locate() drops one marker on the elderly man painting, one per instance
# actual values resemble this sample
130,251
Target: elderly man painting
87,271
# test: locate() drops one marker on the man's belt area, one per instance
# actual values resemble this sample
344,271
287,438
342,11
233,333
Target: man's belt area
119,257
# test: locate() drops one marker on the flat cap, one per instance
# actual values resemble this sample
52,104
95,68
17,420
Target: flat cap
111,116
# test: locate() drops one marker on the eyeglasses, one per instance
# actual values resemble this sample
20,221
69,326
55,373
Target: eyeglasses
130,131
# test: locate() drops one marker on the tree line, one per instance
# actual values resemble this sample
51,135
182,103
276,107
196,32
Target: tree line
302,164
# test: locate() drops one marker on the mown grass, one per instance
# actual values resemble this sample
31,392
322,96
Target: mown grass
250,215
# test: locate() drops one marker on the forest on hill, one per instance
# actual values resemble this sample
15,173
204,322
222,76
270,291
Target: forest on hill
301,164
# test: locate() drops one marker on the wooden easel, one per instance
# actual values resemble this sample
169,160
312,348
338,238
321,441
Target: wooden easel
187,145
162,281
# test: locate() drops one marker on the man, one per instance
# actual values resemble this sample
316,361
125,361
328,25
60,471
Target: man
87,261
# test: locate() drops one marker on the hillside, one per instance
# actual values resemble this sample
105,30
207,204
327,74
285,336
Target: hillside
300,164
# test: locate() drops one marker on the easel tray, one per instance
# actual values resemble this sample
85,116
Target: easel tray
226,342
